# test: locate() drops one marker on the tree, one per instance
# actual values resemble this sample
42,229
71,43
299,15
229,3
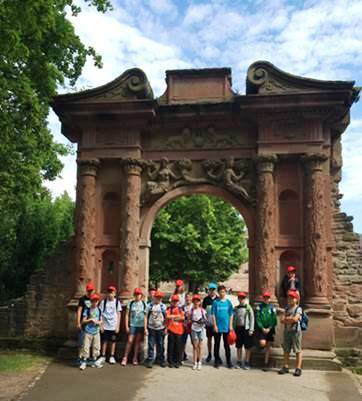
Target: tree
197,238
39,51
42,226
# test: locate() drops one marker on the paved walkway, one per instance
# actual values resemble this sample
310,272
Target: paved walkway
114,383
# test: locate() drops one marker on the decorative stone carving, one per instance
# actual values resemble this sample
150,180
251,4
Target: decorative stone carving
86,223
316,264
201,138
265,259
130,225
263,77
229,173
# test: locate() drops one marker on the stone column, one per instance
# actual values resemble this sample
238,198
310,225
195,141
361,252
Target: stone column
265,260
315,239
130,226
85,223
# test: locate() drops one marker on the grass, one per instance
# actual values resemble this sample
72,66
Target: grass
358,371
20,361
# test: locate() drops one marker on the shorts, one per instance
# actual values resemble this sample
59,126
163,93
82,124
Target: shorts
243,338
136,330
209,331
268,337
292,340
109,336
197,335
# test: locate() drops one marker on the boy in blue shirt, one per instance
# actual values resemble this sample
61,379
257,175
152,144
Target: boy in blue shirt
222,315
92,320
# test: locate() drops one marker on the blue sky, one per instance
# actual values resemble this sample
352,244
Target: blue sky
319,39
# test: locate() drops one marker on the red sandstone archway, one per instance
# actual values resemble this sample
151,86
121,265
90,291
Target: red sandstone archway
149,214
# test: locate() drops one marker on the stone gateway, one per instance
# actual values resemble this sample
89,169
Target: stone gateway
273,153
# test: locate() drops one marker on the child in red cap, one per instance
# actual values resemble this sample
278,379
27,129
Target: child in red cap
198,320
292,339
175,329
180,291
244,329
135,325
91,321
83,303
156,329
111,312
266,321
290,282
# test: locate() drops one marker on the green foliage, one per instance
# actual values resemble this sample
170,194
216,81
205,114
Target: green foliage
19,361
198,238
39,51
41,227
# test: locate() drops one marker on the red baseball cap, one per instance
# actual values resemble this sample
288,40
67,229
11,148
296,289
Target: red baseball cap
179,283
175,297
111,288
137,291
241,295
95,297
291,269
159,294
292,294
266,294
90,287
196,297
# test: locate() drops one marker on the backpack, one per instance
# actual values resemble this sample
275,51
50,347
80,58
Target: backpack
105,302
130,308
304,321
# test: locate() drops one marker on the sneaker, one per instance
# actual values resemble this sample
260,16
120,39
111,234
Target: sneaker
170,364
217,364
177,365
195,366
163,364
246,366
98,363
297,372
238,365
102,359
209,357
266,367
135,362
83,365
185,357
112,361
230,365
199,366
148,364
91,363
283,370
124,361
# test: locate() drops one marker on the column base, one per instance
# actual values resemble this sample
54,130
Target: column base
320,334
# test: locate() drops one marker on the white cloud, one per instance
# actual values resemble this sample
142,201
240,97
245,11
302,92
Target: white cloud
320,39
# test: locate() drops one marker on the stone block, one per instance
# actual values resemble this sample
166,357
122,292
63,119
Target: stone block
355,310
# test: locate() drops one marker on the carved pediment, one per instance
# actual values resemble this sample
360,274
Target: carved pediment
263,78
131,85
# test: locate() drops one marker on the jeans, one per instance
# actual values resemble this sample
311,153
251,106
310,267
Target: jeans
156,338
174,348
217,337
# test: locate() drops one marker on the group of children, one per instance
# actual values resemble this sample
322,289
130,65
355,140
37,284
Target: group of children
189,316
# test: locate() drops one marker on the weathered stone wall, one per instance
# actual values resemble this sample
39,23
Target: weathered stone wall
347,271
49,291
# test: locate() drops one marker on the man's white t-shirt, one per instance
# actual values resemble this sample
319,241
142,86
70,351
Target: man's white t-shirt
109,313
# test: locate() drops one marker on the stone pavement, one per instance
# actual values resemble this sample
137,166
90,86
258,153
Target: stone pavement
62,382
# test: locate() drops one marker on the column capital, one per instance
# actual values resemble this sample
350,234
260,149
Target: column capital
132,166
314,161
88,166
265,163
